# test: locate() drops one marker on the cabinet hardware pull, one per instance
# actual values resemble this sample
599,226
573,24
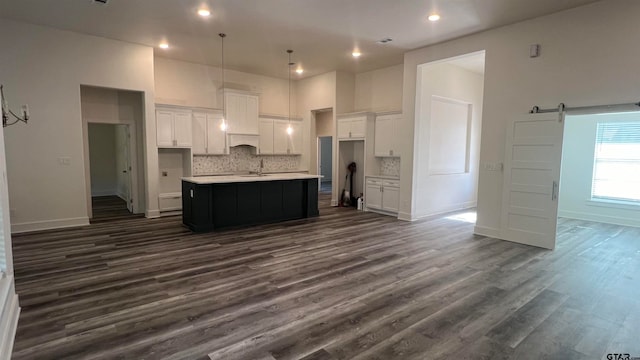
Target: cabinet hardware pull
554,191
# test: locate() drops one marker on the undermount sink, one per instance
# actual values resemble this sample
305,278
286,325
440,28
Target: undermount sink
254,175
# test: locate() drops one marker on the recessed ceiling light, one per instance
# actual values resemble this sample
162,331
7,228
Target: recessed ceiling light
356,54
204,12
164,45
299,70
434,17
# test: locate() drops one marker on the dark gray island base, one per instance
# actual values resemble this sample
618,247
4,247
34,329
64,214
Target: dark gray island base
215,203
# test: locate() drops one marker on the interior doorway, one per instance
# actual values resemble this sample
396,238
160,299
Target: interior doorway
449,99
118,115
324,151
325,163
110,170
600,168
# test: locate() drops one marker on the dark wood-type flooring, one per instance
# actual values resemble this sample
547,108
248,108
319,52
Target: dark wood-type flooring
345,285
110,208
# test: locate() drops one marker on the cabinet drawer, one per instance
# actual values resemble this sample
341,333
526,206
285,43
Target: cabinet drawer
392,183
374,182
170,201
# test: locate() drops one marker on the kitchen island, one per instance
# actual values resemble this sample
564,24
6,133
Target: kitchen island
217,202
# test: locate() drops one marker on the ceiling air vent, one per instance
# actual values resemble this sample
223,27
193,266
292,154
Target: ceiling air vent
101,2
384,41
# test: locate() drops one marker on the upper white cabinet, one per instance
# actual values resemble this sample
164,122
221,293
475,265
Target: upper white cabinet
275,140
266,136
173,128
242,112
352,127
208,136
386,137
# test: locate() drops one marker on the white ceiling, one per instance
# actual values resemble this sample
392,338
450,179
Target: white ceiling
322,33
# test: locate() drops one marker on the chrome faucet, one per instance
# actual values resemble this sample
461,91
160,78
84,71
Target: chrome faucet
261,167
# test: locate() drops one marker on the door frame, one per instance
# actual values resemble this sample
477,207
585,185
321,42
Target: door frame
133,162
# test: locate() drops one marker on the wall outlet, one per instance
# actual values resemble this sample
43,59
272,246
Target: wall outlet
64,160
492,166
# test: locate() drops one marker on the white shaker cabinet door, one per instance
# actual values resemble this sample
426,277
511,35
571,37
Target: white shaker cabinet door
215,135
164,128
182,129
199,133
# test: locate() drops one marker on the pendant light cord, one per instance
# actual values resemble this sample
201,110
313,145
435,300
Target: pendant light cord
224,98
289,70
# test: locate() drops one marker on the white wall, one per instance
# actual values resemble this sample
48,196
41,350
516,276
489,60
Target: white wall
587,57
379,90
45,67
314,93
578,149
436,194
189,84
345,92
324,123
102,155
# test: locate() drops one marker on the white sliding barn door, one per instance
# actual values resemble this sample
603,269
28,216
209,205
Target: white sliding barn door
531,179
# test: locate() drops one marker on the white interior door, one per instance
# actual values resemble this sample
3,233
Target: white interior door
531,179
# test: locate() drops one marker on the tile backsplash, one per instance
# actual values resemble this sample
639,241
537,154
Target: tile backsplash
243,158
390,166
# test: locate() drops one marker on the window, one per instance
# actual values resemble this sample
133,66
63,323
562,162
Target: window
616,172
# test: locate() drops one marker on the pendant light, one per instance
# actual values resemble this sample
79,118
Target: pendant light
223,125
289,128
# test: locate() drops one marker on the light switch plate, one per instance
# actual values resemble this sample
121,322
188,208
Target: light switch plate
64,160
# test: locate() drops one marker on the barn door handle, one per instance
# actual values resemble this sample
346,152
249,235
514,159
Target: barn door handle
554,191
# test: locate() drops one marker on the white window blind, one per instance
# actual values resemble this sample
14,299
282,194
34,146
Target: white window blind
616,173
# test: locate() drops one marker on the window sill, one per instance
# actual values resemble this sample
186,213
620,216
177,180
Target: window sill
625,205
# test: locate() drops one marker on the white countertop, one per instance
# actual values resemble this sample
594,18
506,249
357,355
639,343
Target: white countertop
248,178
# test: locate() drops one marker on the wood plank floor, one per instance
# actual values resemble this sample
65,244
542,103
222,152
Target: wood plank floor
346,285
110,208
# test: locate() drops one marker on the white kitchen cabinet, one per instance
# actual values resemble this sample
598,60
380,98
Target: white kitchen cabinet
266,136
391,196
173,128
280,137
352,128
242,112
296,137
386,137
382,195
373,194
208,137
275,140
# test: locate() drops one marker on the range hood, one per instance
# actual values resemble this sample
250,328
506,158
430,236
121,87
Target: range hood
244,139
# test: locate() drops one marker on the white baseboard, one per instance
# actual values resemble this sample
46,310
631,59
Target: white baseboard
487,231
152,214
616,220
9,323
446,210
109,192
334,202
121,196
17,228
406,216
